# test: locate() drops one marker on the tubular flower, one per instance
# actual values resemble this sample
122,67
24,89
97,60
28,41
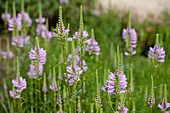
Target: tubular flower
44,88
54,85
20,41
84,34
112,83
26,18
78,61
6,54
32,72
129,36
151,101
164,105
11,24
122,108
46,34
40,28
65,31
6,16
93,46
13,94
157,53
40,20
73,74
20,85
42,55
64,1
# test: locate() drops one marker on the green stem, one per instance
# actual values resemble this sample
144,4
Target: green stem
39,95
129,78
32,91
75,108
68,86
55,100
45,100
21,111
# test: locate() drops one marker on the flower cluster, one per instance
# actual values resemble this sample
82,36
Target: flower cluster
92,46
151,101
78,61
64,1
14,22
73,74
113,83
20,84
20,40
157,53
41,54
164,105
42,29
39,57
65,31
6,16
129,35
24,16
32,72
77,34
122,109
54,86
6,54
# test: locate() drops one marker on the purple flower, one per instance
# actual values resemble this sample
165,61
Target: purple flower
11,24
65,31
131,38
44,88
54,85
99,102
64,1
78,61
49,77
112,83
46,34
6,54
92,46
40,20
41,52
73,73
6,16
157,53
20,40
167,111
26,18
84,34
40,28
32,72
164,105
122,108
151,101
20,85
13,94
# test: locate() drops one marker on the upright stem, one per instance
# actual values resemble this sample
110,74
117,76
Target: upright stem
68,86
116,102
156,66
21,111
129,77
32,92
75,107
39,95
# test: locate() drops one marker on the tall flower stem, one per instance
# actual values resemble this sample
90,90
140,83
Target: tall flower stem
156,66
8,60
81,54
32,92
20,102
63,49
